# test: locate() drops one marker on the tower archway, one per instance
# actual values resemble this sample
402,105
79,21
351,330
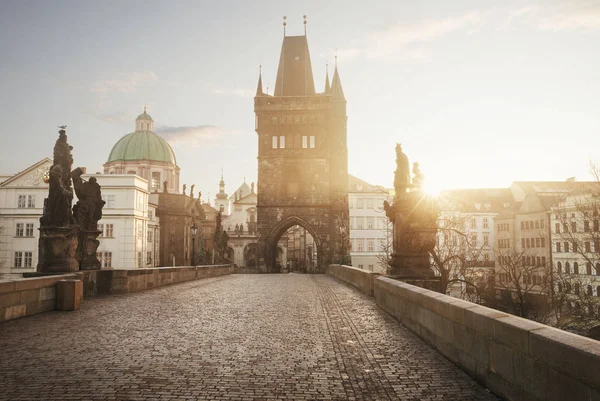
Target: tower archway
305,257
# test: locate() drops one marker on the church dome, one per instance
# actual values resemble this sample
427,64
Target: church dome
143,144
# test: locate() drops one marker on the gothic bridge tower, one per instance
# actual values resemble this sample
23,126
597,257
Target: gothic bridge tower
302,160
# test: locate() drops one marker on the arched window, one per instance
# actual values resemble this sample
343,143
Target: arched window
559,267
588,268
559,287
589,291
576,268
567,268
567,287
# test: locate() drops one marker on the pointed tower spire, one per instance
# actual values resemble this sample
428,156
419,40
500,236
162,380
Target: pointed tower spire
336,85
259,88
327,85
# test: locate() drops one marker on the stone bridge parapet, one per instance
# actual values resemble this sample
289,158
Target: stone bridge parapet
516,358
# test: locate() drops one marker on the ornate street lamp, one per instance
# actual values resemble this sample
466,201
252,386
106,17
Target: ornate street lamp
194,229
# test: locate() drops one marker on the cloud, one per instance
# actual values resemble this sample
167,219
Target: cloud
404,40
124,82
118,117
249,93
193,136
571,15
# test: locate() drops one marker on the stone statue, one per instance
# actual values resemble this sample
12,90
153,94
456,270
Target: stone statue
165,183
57,207
88,209
192,190
417,176
402,173
237,228
389,211
200,196
58,240
184,188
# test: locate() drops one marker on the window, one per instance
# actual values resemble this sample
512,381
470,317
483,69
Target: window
282,142
565,227
473,223
29,230
473,239
543,241
559,267
106,259
360,223
101,229
369,203
19,230
576,268
274,142
30,201
149,236
586,226
537,242
575,246
110,201
359,203
139,259
109,230
588,246
527,243
596,226
28,259
304,142
370,267
351,245
22,201
370,223
359,245
588,268
352,223
573,227
360,266
149,257
486,240
567,268
139,230
558,247
566,246
542,225
18,259
370,245
312,142
557,228
156,180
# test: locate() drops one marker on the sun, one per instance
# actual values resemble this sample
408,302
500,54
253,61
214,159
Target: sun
432,188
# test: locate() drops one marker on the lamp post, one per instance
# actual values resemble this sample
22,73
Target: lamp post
194,229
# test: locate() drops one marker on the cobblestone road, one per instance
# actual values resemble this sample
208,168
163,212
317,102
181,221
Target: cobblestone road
239,337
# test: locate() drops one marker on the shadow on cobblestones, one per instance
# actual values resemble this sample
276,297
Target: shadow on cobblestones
239,337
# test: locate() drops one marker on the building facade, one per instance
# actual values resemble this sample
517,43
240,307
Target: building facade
370,230
302,159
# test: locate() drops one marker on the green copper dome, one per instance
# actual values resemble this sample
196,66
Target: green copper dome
142,145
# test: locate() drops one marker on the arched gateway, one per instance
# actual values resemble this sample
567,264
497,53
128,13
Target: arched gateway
302,160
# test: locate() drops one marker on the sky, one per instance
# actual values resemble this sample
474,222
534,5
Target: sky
480,93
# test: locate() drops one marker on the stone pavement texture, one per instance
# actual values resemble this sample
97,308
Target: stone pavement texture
238,337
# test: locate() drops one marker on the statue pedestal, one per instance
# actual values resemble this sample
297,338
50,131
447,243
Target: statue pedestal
415,231
88,259
58,250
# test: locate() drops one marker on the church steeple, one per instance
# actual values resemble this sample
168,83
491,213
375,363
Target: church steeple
327,85
336,86
259,87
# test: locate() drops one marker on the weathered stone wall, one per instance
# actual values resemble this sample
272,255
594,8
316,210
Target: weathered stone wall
361,279
515,358
101,282
28,296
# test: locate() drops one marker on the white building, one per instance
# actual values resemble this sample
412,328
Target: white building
370,231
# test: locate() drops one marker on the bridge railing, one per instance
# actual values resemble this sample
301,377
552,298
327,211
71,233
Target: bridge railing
28,296
515,358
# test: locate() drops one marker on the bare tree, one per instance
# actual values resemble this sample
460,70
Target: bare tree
386,247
